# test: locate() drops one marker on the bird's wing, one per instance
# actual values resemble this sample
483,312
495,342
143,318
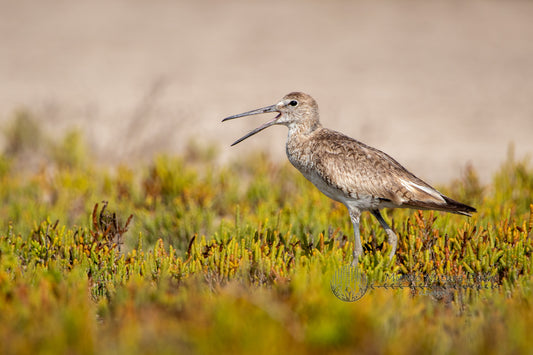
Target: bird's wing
360,170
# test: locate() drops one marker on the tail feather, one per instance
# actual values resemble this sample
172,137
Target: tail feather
458,207
451,206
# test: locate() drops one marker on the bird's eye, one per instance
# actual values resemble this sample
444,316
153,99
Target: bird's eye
293,103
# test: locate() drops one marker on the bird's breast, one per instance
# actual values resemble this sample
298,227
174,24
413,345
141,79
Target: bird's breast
301,157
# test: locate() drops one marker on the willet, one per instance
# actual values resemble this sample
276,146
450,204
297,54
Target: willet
359,176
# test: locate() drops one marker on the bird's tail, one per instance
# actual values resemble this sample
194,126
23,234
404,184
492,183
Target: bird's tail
449,205
458,207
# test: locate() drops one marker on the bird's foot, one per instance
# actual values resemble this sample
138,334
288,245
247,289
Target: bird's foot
356,255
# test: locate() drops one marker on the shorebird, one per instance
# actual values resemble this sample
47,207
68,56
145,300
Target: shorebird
348,171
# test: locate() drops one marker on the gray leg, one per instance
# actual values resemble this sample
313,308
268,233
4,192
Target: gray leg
393,238
355,215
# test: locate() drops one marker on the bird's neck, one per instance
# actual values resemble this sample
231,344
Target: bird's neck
303,128
298,147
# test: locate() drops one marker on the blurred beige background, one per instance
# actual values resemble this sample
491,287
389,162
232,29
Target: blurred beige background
436,84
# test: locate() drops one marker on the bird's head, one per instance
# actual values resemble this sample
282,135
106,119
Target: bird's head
294,109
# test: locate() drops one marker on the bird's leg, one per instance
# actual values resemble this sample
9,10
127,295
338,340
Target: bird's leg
393,238
355,215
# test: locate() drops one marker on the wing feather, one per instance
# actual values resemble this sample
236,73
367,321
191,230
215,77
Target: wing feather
360,170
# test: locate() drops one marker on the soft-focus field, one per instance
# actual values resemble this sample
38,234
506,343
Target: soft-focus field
238,258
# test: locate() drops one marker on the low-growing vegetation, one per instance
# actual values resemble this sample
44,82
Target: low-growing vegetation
182,255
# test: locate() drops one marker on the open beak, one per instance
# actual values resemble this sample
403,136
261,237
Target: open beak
272,108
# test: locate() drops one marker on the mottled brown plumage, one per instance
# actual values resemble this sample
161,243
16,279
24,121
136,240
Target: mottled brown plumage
359,176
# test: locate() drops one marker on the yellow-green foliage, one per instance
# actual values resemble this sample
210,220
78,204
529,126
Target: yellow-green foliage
238,258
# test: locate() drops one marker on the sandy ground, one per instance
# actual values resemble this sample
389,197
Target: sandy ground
436,84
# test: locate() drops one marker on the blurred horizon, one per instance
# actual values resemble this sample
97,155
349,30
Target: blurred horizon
437,85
